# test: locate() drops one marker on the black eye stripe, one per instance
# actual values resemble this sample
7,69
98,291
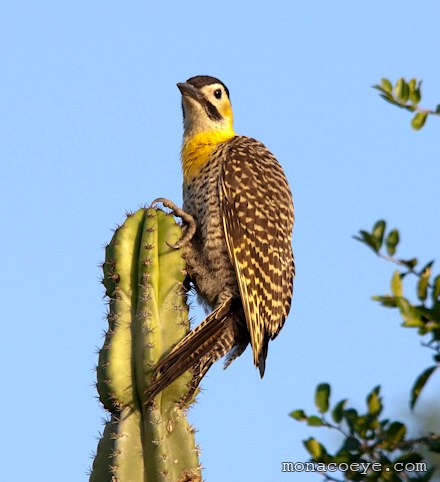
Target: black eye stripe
212,111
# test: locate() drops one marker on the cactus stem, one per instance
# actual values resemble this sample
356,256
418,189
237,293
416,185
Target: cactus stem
143,278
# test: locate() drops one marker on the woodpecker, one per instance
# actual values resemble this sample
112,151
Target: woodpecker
238,216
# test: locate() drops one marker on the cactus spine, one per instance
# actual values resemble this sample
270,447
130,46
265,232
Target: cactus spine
147,315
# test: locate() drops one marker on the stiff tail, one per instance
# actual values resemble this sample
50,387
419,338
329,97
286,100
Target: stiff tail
222,332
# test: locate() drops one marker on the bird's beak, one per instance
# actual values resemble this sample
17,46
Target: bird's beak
187,90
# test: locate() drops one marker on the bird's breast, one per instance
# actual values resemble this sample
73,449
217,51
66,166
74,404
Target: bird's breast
197,151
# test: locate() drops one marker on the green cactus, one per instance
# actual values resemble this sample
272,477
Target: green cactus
143,277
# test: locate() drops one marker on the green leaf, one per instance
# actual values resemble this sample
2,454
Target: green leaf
436,290
405,92
437,110
396,284
418,121
390,99
395,433
422,285
392,240
417,95
299,415
411,322
412,84
414,91
338,411
388,301
378,232
315,449
419,384
315,421
373,401
401,90
381,89
409,263
351,444
322,396
411,315
386,85
428,265
368,239
351,416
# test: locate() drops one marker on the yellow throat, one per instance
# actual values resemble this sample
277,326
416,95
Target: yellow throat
197,148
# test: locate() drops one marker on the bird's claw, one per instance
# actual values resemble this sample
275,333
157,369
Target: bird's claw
187,219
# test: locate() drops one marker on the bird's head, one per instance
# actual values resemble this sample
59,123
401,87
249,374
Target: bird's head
206,106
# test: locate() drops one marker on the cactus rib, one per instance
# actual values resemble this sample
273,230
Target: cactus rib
148,315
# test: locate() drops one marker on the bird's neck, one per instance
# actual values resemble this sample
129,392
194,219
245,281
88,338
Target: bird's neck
197,149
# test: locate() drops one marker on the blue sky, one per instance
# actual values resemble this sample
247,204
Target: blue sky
90,126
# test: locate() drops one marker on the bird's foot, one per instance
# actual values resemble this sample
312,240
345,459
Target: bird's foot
188,220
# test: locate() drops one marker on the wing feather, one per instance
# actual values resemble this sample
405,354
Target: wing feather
257,213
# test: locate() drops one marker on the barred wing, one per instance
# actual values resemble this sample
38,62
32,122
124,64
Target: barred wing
257,213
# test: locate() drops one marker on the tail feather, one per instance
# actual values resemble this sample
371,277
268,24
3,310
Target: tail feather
195,344
221,332
263,355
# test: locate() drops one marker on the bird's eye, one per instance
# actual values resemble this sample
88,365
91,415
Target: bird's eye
218,94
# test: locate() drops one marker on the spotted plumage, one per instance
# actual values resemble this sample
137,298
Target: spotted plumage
240,257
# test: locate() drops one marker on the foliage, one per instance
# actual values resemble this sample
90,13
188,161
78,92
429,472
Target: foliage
375,448
407,95
148,314
424,314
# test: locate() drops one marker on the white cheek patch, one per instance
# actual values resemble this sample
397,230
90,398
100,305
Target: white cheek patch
195,115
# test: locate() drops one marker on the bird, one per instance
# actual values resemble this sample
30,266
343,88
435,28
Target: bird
238,218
